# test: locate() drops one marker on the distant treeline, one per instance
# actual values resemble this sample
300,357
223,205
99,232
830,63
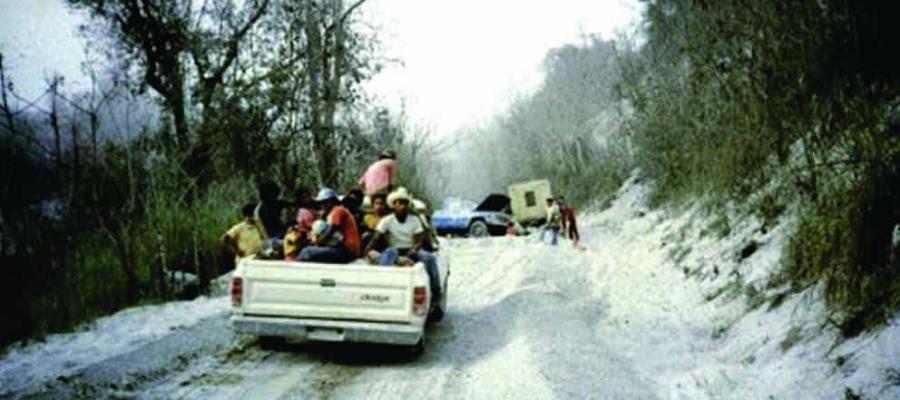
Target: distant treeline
792,105
106,191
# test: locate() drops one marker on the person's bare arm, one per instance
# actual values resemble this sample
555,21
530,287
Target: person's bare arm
418,242
372,242
262,229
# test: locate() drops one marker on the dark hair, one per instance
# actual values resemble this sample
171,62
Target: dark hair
358,193
353,199
300,191
549,199
248,210
268,191
377,196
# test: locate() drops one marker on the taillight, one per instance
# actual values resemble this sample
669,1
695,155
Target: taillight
420,296
237,291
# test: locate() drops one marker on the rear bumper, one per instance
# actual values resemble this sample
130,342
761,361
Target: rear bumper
328,331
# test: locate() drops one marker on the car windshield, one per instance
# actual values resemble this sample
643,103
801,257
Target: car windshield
458,205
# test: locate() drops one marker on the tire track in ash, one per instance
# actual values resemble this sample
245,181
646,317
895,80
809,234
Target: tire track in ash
561,319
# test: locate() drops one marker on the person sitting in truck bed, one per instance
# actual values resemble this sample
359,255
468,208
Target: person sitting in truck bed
298,234
353,201
245,238
379,211
405,236
270,209
421,210
372,218
306,212
339,220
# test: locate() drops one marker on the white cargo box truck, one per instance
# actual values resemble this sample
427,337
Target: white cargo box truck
528,201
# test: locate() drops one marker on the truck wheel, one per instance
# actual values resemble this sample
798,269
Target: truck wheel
416,350
437,314
478,229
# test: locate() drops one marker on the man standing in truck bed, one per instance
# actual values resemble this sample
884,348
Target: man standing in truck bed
379,177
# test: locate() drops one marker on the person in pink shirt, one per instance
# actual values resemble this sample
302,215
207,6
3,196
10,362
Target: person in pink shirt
298,236
379,177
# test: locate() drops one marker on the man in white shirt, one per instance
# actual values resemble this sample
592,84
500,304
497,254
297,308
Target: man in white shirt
405,237
554,221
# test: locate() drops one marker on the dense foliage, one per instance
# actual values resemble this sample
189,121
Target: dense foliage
792,105
109,195
730,96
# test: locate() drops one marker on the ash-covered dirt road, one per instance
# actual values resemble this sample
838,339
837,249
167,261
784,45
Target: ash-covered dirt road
521,324
621,318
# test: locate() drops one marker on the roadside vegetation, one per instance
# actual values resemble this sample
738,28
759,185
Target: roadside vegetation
793,105
110,194
107,191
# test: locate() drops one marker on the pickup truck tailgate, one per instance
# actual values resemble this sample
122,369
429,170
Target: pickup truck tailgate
329,291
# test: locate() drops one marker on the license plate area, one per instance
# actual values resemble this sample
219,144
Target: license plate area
325,334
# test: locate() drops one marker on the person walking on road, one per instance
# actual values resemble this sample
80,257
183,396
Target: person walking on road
554,221
570,227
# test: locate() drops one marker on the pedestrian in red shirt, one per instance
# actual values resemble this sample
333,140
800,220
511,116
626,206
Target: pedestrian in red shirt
569,226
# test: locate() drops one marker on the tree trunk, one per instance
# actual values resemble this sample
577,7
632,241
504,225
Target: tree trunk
177,102
131,280
334,76
54,124
76,160
317,64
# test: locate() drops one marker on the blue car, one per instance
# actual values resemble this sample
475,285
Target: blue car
462,217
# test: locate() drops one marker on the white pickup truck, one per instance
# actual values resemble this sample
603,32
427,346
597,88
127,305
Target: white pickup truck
354,302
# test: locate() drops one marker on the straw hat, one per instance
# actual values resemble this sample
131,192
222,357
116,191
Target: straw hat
399,194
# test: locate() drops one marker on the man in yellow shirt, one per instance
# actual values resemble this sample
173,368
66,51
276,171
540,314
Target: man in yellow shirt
246,237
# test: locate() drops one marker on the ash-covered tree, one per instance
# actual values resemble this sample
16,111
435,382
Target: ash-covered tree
182,50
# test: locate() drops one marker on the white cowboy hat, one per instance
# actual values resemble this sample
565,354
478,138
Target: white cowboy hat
399,194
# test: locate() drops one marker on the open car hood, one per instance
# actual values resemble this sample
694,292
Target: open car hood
494,202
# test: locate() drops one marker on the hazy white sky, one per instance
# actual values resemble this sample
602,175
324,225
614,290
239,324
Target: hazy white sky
465,59
38,38
461,60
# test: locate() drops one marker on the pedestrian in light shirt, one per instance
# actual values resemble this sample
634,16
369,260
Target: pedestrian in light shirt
554,222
